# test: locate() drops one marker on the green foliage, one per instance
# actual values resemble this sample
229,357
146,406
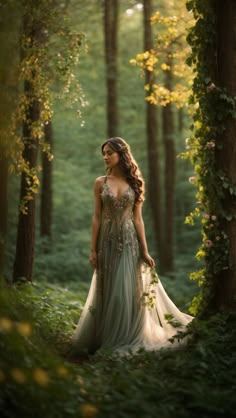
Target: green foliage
49,53
34,379
213,108
36,323
78,161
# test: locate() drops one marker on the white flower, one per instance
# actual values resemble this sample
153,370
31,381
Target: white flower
192,180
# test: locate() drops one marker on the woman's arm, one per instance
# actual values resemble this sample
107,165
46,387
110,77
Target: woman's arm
96,221
139,226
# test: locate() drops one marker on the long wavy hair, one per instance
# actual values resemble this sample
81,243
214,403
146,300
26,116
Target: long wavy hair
128,166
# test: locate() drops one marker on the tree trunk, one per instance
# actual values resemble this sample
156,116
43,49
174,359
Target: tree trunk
110,35
180,120
3,209
225,284
154,188
170,177
46,194
24,258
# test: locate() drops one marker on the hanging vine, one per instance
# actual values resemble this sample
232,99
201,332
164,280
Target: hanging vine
214,106
49,53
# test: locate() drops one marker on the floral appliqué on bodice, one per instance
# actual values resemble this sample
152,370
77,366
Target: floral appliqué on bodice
117,220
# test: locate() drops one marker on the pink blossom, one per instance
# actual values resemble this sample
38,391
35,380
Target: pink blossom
206,216
192,180
211,87
217,238
214,217
210,144
208,243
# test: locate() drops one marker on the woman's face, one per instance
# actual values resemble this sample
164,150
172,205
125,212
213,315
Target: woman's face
111,157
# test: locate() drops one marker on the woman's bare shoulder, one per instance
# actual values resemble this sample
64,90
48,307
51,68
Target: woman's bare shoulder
99,182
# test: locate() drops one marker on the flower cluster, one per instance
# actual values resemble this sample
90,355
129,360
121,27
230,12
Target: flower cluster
149,295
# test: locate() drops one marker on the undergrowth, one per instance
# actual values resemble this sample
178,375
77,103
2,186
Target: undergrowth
37,379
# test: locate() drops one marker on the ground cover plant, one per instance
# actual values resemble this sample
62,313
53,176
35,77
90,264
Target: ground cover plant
37,377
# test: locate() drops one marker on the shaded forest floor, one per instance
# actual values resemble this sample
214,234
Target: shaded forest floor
37,380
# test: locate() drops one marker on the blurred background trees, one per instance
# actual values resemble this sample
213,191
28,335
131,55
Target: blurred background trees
80,127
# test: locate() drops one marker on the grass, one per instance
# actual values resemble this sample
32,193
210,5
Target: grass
36,378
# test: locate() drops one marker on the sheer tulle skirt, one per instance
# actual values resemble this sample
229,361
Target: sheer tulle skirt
116,314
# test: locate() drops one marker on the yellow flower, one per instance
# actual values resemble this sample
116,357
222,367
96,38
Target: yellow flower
24,329
6,324
62,371
88,410
2,376
41,377
18,375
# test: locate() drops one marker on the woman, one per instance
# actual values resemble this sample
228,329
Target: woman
126,305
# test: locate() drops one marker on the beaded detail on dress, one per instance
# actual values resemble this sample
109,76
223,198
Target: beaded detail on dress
114,315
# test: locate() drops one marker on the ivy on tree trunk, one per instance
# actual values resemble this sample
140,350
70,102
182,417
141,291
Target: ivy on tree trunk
25,242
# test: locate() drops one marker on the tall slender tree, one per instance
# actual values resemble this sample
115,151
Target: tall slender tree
111,8
40,67
24,257
170,172
9,60
46,186
3,208
154,182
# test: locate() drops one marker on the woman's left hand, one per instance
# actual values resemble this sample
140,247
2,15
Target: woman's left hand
148,259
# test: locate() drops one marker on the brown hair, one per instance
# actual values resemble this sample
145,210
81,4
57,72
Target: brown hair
128,166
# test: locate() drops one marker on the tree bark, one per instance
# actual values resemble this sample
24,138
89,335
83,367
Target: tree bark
46,193
180,120
24,258
170,177
225,284
3,208
154,183
110,35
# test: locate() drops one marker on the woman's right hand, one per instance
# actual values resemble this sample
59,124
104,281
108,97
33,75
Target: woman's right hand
93,259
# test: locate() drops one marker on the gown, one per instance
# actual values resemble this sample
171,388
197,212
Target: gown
127,308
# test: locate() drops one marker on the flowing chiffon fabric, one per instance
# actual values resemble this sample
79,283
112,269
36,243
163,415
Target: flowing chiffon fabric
115,315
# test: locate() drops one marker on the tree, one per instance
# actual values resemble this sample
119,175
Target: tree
9,21
170,172
34,110
46,188
154,183
110,38
226,158
168,84
23,265
3,208
212,150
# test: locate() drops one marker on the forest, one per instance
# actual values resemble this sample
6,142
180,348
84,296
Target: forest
161,75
